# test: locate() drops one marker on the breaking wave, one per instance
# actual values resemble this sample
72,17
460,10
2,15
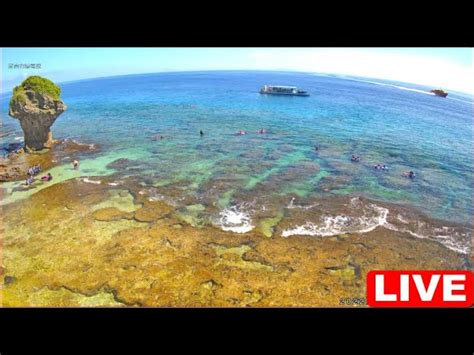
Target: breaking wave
448,236
362,217
340,224
235,219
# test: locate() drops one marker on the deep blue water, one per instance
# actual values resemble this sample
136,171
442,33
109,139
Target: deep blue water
405,129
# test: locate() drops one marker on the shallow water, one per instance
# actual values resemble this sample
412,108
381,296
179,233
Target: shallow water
241,181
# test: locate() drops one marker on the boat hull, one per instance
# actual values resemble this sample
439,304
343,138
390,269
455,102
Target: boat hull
283,94
439,93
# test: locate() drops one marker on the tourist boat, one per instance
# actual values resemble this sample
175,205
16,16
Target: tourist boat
282,90
439,92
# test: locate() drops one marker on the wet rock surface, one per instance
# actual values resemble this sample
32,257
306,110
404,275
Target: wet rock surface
97,245
15,165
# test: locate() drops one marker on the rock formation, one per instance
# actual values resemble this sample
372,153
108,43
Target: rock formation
37,104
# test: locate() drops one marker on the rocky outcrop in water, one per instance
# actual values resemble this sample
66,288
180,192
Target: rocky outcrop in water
36,104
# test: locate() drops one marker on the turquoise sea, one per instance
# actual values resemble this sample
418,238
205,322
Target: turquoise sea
231,179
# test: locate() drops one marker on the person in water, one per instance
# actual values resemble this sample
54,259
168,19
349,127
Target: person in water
380,167
355,158
75,164
47,177
241,133
409,174
262,131
201,133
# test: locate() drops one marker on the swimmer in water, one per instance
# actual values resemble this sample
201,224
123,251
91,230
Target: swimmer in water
241,133
409,174
201,133
75,164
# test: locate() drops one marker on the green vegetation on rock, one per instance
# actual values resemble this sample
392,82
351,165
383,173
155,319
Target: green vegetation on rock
37,84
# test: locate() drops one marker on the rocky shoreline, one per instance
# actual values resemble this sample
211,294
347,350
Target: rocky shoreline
87,244
15,165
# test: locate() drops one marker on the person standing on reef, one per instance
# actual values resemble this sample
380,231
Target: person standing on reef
75,164
29,180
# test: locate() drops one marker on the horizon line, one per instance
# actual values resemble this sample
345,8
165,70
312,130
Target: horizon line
338,76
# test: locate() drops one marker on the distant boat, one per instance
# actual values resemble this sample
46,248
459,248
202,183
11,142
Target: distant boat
282,90
439,92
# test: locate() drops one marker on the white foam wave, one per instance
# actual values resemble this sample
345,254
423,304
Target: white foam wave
401,219
335,225
19,138
113,183
451,241
235,219
97,182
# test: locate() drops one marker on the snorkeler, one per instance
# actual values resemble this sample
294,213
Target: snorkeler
409,174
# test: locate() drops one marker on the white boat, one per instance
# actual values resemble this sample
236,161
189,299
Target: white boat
282,90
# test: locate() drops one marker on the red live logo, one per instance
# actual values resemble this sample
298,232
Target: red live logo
420,288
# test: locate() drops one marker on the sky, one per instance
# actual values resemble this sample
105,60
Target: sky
447,68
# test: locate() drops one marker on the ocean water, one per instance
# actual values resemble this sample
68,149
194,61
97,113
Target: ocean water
233,179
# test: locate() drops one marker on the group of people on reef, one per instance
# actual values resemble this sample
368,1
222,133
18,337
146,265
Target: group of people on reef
407,174
33,171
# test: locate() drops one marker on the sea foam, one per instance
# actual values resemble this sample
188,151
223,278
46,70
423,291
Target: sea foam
340,224
235,219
